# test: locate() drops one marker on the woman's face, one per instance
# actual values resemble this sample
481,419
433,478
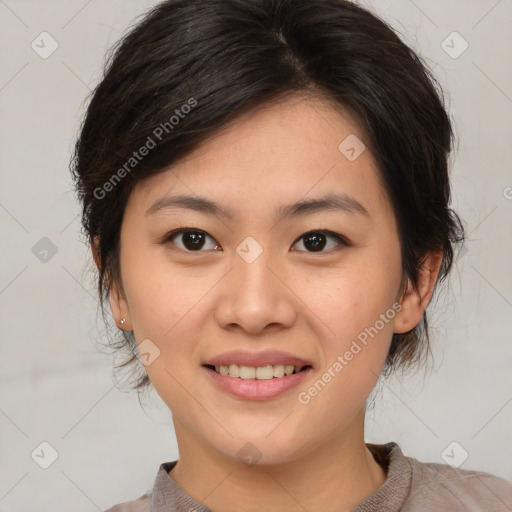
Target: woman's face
250,281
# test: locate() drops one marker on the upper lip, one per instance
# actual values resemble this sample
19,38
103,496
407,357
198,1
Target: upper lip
246,358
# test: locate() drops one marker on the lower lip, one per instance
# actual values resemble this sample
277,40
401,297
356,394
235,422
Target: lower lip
254,389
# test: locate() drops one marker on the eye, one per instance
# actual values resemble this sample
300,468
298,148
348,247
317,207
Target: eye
194,240
191,239
316,241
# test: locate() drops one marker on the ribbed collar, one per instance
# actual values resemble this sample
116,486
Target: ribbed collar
390,497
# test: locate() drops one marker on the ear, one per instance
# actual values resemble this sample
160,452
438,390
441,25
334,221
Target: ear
95,249
414,302
119,307
117,300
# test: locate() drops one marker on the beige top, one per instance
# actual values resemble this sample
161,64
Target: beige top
410,486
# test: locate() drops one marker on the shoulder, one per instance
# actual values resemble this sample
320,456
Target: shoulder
441,487
142,504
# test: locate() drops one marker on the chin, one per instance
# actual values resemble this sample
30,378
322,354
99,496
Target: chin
258,448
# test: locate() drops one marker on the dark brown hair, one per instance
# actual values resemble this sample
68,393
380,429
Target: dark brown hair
190,67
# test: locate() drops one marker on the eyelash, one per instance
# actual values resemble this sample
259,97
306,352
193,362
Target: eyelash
342,240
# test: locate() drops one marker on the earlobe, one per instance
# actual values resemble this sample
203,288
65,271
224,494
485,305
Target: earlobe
118,304
415,301
119,308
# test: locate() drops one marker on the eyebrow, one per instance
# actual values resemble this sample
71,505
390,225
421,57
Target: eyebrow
338,202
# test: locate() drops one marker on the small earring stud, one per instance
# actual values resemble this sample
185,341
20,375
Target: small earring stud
123,320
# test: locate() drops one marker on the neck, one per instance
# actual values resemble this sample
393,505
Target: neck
332,477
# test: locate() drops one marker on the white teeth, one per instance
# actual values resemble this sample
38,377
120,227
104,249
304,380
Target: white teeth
234,370
278,370
247,372
266,372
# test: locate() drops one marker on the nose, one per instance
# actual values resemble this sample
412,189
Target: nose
255,297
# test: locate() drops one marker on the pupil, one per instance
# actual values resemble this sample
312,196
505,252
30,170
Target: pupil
317,241
196,239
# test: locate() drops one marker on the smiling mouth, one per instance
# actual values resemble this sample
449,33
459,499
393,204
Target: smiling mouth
267,372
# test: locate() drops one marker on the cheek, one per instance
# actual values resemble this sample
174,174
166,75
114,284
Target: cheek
352,298
160,294
166,306
359,317
356,309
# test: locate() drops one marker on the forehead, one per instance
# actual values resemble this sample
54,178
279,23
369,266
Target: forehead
276,154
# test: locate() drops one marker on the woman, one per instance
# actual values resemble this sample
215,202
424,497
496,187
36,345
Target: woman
265,190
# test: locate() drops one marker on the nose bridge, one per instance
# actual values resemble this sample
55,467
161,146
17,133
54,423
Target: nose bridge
252,259
254,275
253,297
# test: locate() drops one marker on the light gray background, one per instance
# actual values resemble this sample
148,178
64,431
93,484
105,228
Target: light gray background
56,387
